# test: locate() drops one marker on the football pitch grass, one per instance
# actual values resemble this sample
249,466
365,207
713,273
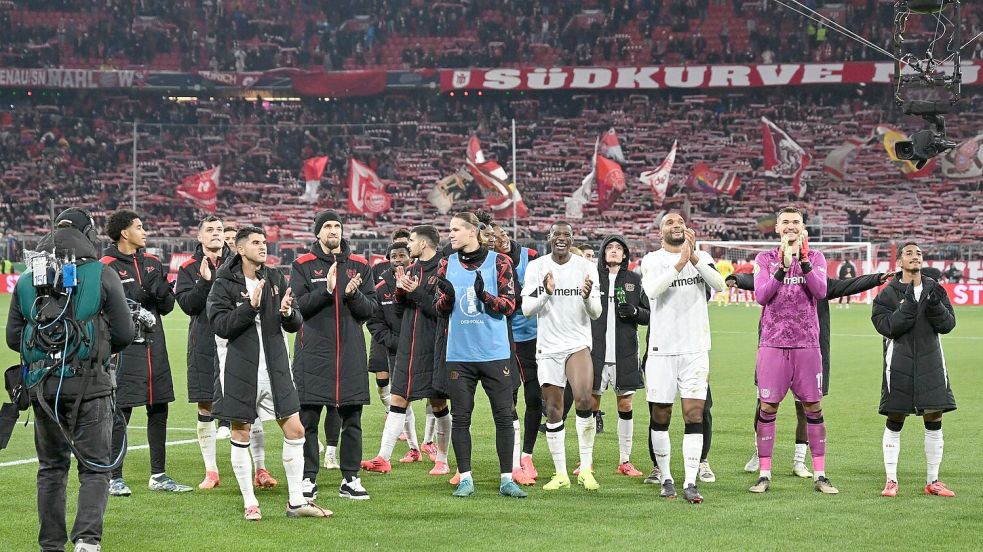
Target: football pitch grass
412,510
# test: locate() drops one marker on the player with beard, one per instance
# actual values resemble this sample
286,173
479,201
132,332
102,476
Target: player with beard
476,293
194,281
384,328
789,282
251,308
677,359
413,370
561,291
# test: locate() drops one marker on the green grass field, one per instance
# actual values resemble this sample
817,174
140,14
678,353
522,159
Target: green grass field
410,509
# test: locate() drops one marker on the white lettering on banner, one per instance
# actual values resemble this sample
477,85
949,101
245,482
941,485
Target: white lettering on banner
503,79
590,77
883,72
778,75
126,78
823,73
65,78
965,294
637,77
547,79
730,75
695,76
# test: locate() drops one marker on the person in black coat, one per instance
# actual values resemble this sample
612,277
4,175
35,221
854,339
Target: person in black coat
624,306
912,312
834,289
336,295
250,307
144,374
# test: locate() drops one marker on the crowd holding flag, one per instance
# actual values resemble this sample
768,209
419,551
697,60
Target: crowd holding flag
366,193
605,171
784,157
658,180
313,169
500,194
706,179
964,161
202,188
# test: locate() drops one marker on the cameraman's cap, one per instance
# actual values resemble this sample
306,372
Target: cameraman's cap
79,219
323,217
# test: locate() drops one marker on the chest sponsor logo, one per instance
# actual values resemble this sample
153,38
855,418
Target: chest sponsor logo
150,269
794,280
127,280
566,292
325,279
319,272
680,282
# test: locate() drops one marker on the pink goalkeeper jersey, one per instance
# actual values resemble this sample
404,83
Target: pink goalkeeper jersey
788,316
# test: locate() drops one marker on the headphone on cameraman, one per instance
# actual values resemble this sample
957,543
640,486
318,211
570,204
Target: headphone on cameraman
82,221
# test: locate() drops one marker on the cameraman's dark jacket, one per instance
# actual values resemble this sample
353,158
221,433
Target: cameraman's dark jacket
834,290
116,326
234,321
626,330
144,375
915,378
330,364
191,292
384,324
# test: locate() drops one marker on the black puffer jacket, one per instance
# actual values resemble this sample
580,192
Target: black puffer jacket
144,375
330,361
191,292
237,343
626,330
384,324
915,378
115,331
418,330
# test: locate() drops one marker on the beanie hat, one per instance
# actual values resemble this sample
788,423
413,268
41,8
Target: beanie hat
323,217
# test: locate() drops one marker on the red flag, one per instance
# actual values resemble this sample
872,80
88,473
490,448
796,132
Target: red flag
313,169
707,180
366,193
784,158
610,182
500,194
658,180
201,188
610,147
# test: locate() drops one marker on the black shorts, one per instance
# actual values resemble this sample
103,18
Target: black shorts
525,362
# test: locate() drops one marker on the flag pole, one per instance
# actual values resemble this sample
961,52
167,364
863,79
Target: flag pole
134,199
515,174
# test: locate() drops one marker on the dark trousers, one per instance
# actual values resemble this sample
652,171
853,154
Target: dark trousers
92,435
350,454
156,436
332,427
461,386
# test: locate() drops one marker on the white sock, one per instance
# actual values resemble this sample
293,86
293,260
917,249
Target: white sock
410,429
385,395
692,447
465,475
662,448
800,453
516,446
933,453
390,433
556,441
206,442
331,452
293,466
625,429
506,477
586,430
442,436
242,467
257,445
429,428
891,445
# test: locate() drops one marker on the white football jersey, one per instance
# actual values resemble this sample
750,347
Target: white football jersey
565,326
679,323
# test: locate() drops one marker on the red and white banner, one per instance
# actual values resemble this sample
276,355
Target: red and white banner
366,193
837,163
965,294
965,161
202,188
706,179
610,182
313,169
500,194
682,76
658,179
605,172
784,157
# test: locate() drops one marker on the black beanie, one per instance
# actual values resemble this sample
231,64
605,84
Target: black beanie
323,217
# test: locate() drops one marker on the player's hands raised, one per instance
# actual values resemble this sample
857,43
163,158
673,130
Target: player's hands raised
286,305
804,247
332,279
549,283
691,238
257,296
685,253
353,284
445,287
205,270
479,285
586,287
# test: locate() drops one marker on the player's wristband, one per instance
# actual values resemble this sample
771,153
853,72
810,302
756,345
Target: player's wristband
806,267
780,274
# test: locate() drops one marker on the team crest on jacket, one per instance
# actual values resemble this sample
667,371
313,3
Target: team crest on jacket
629,287
319,272
351,273
123,274
150,269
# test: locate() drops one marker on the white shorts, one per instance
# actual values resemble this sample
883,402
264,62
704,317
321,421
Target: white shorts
552,369
666,375
264,401
609,380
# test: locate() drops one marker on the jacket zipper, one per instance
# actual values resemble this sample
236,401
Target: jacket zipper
150,364
409,369
337,339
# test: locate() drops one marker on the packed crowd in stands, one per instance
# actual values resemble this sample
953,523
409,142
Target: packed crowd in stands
258,35
77,150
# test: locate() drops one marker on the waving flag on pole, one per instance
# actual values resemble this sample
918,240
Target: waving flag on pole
313,169
581,196
605,172
366,193
784,157
658,179
500,194
447,190
202,188
838,161
706,179
964,161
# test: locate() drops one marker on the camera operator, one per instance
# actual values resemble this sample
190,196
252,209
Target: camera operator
144,375
85,396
